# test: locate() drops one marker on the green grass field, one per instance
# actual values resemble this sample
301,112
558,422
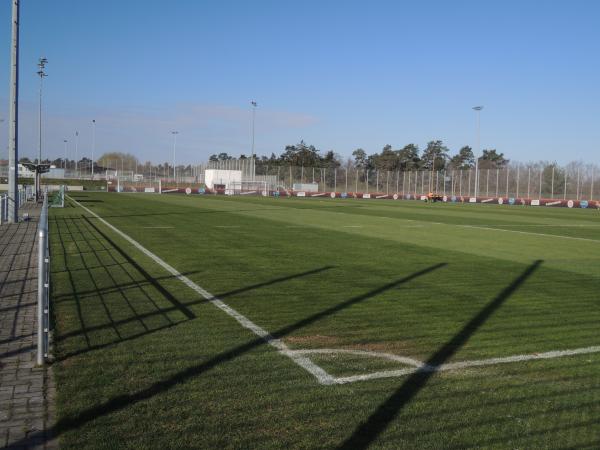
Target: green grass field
432,326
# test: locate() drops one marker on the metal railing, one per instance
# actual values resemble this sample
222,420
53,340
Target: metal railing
24,194
43,307
3,208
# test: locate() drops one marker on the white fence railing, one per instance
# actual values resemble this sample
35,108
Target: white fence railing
43,307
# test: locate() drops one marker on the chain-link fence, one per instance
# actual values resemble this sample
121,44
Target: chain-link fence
575,181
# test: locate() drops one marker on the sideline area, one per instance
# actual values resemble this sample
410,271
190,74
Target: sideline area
26,390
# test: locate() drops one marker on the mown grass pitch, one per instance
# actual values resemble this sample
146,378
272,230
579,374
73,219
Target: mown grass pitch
369,287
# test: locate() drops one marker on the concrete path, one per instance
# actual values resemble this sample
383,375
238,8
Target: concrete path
26,391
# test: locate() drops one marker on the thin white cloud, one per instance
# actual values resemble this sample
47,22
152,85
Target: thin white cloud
145,131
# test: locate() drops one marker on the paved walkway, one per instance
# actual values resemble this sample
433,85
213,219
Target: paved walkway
26,391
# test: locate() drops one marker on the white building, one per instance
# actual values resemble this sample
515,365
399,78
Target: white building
224,179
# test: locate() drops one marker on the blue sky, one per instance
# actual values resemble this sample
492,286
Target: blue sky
337,74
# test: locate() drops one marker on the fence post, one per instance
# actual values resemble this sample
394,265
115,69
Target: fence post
41,283
346,180
334,179
497,178
577,189
416,182
403,179
592,187
469,194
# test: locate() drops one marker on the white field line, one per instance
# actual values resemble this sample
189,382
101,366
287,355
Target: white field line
535,225
390,356
321,375
531,233
422,367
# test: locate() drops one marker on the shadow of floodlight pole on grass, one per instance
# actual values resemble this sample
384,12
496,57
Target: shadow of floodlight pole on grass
154,281
369,430
122,401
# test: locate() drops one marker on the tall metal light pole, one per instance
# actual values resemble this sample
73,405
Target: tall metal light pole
93,144
13,150
254,105
65,164
174,133
76,153
41,65
478,109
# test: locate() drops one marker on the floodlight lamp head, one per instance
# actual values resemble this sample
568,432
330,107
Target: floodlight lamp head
477,108
253,103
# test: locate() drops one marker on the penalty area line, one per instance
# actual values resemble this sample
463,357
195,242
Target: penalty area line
320,374
422,367
560,236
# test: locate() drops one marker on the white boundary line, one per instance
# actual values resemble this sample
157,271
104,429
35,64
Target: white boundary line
321,375
419,366
530,233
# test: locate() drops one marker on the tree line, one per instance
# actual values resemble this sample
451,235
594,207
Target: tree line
435,156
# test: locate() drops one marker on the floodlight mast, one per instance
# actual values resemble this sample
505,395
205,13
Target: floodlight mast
65,164
76,153
93,144
13,150
41,65
478,110
174,133
254,105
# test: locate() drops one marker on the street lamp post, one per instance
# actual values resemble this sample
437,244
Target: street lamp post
93,144
76,153
478,109
174,133
254,105
42,65
13,132
65,164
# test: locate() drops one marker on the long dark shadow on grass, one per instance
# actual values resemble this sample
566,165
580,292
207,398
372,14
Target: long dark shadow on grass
184,309
195,302
94,347
105,247
273,281
369,430
115,288
122,401
59,232
89,241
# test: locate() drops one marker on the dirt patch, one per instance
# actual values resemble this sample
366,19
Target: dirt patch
313,341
